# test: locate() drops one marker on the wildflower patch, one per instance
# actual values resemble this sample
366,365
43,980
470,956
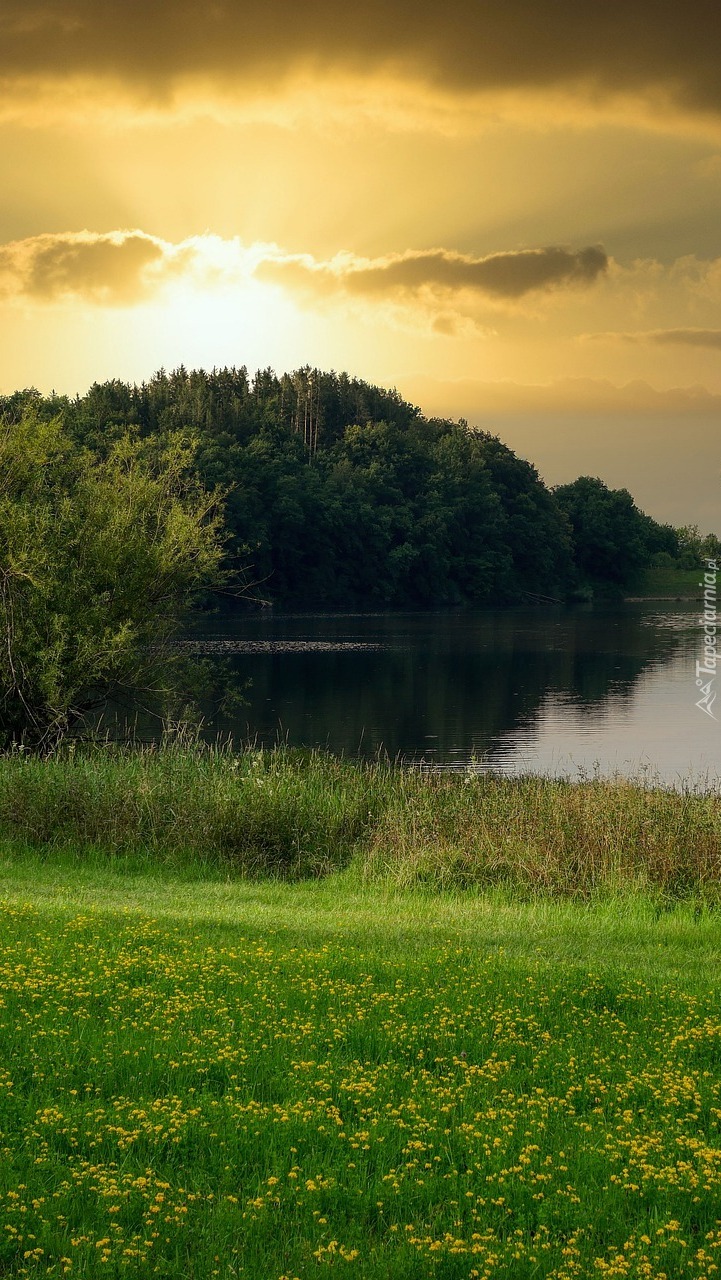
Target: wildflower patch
199,1100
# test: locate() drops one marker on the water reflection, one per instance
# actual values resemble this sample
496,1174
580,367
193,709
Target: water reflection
550,689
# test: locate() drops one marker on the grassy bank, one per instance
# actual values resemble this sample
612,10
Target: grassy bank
208,1077
670,584
292,815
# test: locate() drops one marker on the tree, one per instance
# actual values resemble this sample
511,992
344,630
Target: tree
100,557
693,547
610,534
538,533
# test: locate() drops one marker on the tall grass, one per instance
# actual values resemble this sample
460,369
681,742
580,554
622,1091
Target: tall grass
260,812
294,814
545,835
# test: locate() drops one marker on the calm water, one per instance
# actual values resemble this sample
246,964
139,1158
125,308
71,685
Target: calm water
546,690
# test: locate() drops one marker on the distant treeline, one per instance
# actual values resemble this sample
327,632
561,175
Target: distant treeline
341,494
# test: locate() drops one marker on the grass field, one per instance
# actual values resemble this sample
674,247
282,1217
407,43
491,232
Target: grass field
670,583
203,1076
273,1014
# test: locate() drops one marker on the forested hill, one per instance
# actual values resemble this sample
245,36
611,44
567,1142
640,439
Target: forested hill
342,494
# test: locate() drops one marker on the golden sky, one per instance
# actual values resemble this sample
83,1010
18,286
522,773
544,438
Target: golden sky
509,210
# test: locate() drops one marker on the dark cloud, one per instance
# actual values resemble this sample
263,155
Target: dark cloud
662,337
120,268
658,49
110,269
504,275
507,276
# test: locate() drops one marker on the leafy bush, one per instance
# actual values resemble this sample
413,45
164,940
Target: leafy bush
99,558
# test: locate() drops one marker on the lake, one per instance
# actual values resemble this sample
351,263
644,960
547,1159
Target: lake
586,689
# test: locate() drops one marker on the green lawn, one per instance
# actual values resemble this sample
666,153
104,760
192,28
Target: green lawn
203,1076
671,583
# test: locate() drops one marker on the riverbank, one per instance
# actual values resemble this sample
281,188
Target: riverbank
294,815
213,1077
669,584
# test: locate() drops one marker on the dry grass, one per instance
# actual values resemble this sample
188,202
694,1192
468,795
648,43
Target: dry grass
548,835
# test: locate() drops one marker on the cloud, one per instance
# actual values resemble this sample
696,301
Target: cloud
116,268
488,401
110,269
655,51
660,337
121,268
436,274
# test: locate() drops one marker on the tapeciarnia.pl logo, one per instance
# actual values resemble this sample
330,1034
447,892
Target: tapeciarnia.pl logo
706,670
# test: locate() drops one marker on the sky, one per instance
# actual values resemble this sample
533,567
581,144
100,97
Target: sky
509,210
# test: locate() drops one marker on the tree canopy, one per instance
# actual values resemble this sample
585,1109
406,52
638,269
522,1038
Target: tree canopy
100,556
343,495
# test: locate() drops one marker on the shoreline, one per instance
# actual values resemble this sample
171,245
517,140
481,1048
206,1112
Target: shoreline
293,815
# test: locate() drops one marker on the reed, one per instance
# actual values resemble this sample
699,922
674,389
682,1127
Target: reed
544,835
292,814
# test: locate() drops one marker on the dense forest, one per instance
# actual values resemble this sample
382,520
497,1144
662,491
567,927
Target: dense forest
340,494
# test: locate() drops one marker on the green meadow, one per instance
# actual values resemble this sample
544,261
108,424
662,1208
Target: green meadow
240,1039
670,583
